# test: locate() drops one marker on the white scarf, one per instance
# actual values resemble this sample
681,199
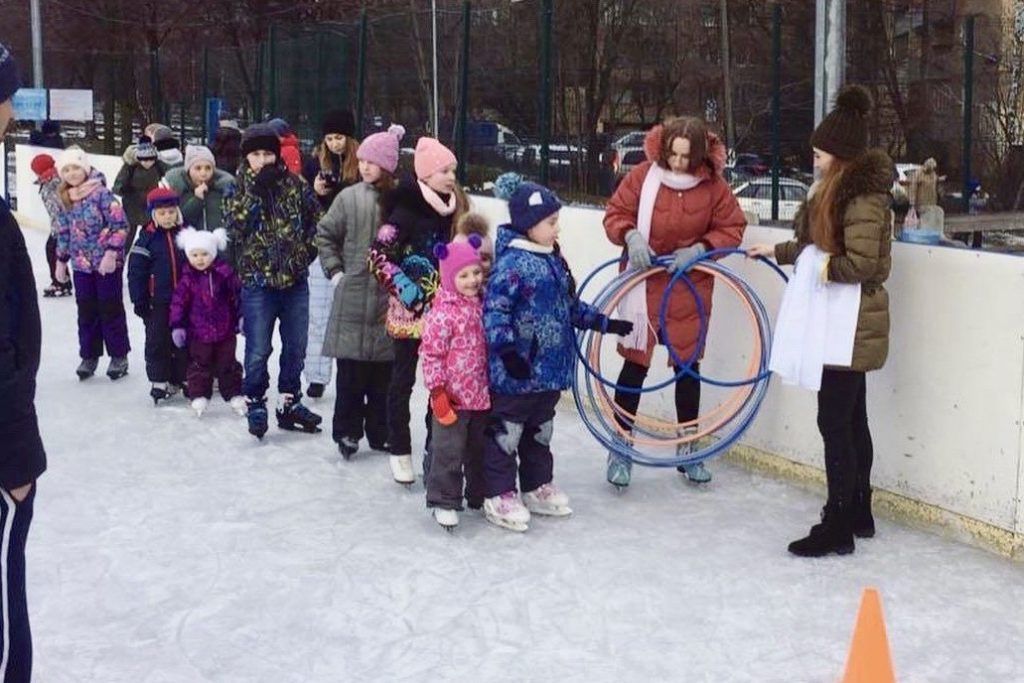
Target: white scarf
817,323
435,201
633,306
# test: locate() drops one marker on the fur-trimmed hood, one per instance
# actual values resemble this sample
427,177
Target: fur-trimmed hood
714,163
869,173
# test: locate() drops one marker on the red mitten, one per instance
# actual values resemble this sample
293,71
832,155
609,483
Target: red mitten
441,407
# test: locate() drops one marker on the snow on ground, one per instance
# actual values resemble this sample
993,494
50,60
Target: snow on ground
167,549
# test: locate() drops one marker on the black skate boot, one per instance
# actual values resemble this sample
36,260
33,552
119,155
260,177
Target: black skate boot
257,416
118,368
87,368
348,447
159,393
295,417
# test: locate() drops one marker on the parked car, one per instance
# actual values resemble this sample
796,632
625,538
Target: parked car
755,197
735,176
752,164
630,140
628,159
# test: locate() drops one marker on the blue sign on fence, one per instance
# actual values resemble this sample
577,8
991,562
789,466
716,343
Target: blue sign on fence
30,104
213,109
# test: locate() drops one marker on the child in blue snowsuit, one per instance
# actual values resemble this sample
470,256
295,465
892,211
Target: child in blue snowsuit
530,310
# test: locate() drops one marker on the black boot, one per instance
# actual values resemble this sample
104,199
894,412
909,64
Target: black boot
862,521
315,390
348,447
833,535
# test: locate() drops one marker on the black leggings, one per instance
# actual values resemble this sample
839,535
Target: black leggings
687,393
843,423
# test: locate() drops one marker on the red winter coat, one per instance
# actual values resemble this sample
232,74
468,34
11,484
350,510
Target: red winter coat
707,213
291,154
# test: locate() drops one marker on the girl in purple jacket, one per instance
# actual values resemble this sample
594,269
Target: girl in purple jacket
204,316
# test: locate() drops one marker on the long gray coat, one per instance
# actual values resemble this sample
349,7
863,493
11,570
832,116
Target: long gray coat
356,329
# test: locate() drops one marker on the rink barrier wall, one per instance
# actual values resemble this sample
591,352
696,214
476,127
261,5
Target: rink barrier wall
946,410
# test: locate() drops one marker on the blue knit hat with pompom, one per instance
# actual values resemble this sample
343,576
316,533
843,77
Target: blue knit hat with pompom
528,203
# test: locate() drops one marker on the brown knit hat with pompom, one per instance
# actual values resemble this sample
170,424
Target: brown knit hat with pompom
844,132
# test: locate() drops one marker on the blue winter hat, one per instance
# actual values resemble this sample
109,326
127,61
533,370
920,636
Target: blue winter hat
280,126
9,82
528,203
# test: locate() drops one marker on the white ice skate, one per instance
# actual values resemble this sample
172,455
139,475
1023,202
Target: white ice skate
199,405
547,500
449,519
238,405
401,469
507,511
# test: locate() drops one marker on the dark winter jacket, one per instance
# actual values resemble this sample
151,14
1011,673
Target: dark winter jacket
272,245
356,327
132,185
154,266
864,234
205,213
311,169
22,458
531,308
206,303
404,248
91,226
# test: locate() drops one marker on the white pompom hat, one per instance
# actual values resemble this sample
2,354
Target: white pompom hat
191,240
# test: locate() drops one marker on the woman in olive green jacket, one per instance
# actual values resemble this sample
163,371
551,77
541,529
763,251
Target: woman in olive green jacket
847,216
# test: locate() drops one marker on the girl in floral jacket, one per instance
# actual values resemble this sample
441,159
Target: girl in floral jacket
454,354
91,235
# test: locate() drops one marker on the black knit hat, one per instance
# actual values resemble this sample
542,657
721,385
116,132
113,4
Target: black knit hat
260,136
844,132
339,121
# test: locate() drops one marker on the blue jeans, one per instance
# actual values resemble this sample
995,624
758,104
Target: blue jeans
261,306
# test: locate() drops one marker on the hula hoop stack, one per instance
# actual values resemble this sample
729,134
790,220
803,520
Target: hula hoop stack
727,421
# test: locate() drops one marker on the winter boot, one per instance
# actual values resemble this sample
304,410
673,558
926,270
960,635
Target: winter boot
862,521
257,415
833,535
295,417
348,447
449,519
696,473
315,390
118,368
547,499
87,368
238,405
507,511
199,405
158,392
401,469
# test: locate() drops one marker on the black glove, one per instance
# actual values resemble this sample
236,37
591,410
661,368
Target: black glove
141,309
619,327
515,366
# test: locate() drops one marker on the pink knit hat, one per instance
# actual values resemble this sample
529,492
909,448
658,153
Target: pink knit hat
454,257
431,157
382,148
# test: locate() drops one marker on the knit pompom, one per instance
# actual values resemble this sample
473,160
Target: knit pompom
475,241
855,99
441,251
506,185
222,238
397,130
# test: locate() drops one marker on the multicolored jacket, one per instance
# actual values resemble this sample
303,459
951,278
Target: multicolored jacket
272,245
154,265
91,226
206,303
454,350
531,308
404,248
49,192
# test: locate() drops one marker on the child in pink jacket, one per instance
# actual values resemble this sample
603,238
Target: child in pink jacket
454,355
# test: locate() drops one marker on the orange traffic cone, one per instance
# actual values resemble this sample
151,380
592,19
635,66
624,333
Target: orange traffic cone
869,660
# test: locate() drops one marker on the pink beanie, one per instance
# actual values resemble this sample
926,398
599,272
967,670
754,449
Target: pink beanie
454,257
431,157
382,148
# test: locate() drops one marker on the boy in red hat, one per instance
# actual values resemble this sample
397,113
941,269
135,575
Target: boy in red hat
154,268
48,181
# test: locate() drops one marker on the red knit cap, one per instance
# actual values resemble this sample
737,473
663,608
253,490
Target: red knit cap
43,166
161,196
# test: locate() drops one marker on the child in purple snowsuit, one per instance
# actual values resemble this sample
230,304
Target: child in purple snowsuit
204,316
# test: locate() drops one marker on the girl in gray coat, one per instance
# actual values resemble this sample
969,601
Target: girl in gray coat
356,334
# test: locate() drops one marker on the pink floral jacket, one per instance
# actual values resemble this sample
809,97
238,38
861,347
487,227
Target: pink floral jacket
454,350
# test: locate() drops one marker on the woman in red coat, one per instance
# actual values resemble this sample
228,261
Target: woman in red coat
676,203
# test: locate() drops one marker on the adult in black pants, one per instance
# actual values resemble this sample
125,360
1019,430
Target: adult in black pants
22,458
848,217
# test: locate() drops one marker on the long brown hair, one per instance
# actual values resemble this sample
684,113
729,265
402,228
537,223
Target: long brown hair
825,226
349,171
689,128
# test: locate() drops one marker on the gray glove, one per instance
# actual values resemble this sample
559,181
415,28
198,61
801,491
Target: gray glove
638,249
685,255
